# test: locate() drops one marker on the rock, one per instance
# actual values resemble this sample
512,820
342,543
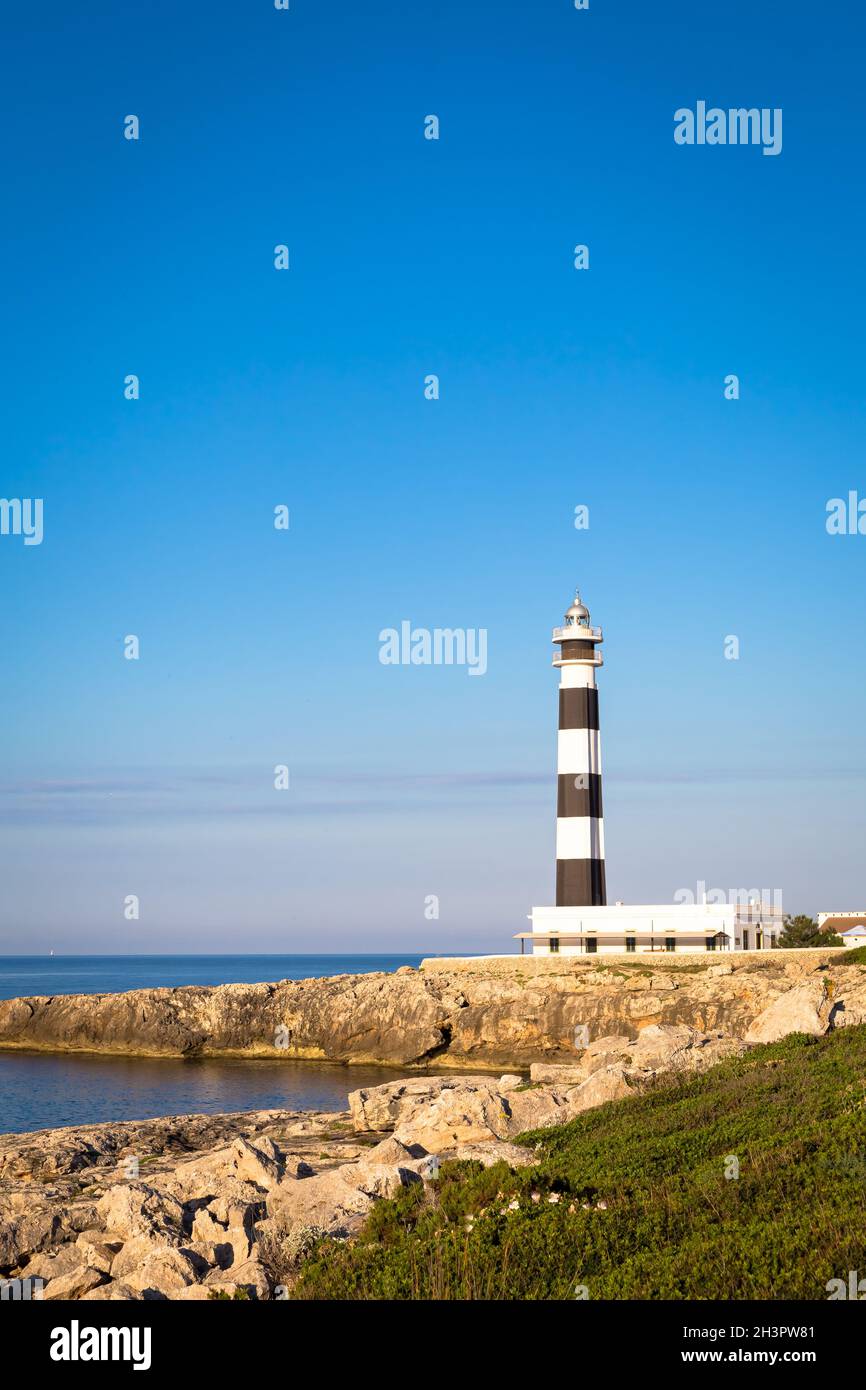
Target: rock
294,1167
554,1074
379,1179
111,1293
509,1081
494,1012
259,1163
657,1048
326,1200
73,1285
25,1236
803,1010
673,1049
161,1273
377,1107
238,1204
599,1088
205,1227
607,1051
135,1251
202,1176
458,1114
98,1254
136,1209
67,1260
250,1276
393,1151
493,1151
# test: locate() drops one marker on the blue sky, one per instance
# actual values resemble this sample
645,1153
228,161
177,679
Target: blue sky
305,387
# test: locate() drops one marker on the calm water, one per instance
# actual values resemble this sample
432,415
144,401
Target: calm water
41,1090
112,974
45,1090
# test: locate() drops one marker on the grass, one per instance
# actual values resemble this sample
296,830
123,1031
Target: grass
671,1224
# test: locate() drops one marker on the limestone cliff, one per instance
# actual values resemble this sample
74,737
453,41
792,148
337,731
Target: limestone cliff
485,1013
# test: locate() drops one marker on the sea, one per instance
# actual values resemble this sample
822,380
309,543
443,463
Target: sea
44,1090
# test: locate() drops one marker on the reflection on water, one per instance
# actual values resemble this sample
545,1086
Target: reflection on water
45,1090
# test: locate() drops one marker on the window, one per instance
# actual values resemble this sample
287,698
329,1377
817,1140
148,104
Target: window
592,945
554,945
670,943
629,943
711,943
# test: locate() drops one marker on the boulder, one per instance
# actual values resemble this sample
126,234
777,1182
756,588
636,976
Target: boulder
327,1201
250,1276
133,1209
556,1074
135,1251
67,1260
162,1273
602,1086
75,1284
99,1254
378,1179
803,1010
493,1151
237,1204
378,1107
259,1162
114,1292
205,1227
26,1235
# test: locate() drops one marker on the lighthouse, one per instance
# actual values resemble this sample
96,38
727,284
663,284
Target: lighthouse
581,923
580,878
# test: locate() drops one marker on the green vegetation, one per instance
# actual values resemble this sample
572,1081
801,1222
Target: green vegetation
631,1200
801,931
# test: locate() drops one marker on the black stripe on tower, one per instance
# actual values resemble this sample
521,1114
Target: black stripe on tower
580,882
578,794
578,708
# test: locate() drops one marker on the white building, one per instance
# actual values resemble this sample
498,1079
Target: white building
626,928
581,923
846,924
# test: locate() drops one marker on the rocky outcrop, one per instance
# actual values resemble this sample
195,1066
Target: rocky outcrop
229,1207
808,1009
508,1011
441,1112
226,1206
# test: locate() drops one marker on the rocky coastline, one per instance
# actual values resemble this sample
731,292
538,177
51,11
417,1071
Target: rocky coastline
486,1013
228,1206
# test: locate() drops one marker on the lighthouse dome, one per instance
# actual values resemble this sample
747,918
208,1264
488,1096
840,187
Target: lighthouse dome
578,612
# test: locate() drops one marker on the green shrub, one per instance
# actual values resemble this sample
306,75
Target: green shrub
631,1199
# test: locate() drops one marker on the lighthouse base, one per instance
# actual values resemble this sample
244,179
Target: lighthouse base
623,929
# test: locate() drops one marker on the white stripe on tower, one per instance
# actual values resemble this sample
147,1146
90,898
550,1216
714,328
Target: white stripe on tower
580,878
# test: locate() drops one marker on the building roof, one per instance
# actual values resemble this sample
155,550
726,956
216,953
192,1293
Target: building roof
840,922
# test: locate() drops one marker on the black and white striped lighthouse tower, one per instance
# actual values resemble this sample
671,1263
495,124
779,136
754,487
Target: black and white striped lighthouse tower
579,824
